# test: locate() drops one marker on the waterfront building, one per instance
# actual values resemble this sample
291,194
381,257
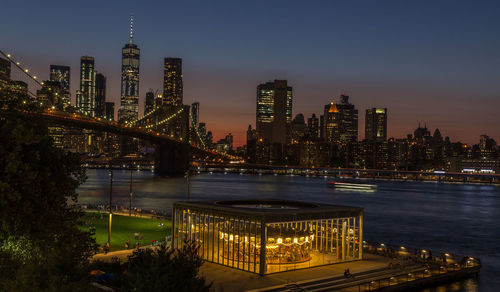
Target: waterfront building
4,73
62,75
195,115
149,102
129,101
270,236
172,81
109,111
274,111
376,124
348,120
313,127
100,95
251,147
86,97
225,145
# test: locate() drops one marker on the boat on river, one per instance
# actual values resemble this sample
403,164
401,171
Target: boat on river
352,186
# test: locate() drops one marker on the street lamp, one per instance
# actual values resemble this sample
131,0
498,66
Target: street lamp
130,201
188,187
110,205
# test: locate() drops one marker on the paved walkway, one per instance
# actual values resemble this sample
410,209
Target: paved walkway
228,279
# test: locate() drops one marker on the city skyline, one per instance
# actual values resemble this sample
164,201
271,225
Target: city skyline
458,98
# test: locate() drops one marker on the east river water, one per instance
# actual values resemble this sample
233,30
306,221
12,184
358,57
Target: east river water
455,218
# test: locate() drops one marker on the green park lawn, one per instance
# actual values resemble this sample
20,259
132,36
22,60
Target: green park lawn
123,228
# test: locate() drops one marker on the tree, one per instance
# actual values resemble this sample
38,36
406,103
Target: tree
41,246
165,269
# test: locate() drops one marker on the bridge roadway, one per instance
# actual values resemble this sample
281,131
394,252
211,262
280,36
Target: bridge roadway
490,177
172,156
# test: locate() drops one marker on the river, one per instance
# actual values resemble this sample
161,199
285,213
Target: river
455,218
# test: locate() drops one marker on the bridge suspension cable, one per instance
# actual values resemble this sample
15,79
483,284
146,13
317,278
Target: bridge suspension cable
18,65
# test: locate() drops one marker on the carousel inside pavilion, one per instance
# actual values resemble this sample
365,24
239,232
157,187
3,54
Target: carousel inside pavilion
269,236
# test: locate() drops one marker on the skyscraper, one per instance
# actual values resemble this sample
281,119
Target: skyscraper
4,73
332,123
313,127
376,124
129,101
61,74
100,98
172,81
149,102
85,101
109,111
274,111
348,120
195,114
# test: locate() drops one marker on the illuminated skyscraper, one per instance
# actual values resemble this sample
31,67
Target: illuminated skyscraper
332,123
109,111
61,74
129,101
172,81
348,120
274,111
376,124
85,99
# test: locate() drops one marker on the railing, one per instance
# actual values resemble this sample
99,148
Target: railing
409,261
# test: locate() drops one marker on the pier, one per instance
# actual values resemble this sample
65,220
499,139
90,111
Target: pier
383,268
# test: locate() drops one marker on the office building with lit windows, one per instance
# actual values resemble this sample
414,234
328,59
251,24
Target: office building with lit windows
331,123
4,73
270,236
86,97
376,124
100,95
61,74
129,100
149,102
195,114
172,81
274,111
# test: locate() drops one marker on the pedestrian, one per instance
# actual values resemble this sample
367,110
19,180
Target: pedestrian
136,245
127,244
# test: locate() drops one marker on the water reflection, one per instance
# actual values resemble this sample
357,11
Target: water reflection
445,217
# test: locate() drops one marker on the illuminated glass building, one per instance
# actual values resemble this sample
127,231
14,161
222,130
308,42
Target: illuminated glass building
172,81
129,101
274,111
376,124
86,101
109,110
61,74
269,236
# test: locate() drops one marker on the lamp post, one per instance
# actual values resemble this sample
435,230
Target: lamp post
130,201
110,205
188,187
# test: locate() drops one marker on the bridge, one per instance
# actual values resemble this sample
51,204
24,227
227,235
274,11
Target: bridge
166,127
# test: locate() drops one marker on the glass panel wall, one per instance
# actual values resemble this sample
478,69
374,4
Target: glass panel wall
235,240
232,241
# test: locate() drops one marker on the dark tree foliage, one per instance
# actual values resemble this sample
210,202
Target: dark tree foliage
41,246
165,269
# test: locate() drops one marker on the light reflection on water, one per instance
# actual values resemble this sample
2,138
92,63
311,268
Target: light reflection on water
454,218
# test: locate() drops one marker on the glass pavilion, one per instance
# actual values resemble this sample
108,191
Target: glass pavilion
296,235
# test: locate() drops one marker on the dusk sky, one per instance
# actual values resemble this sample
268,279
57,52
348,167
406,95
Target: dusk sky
434,62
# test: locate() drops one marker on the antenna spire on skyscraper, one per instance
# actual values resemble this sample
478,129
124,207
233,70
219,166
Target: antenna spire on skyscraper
131,28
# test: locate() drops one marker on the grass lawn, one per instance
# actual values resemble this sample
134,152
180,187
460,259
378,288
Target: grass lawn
123,228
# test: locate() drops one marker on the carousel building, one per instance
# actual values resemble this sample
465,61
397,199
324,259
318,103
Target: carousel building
269,236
